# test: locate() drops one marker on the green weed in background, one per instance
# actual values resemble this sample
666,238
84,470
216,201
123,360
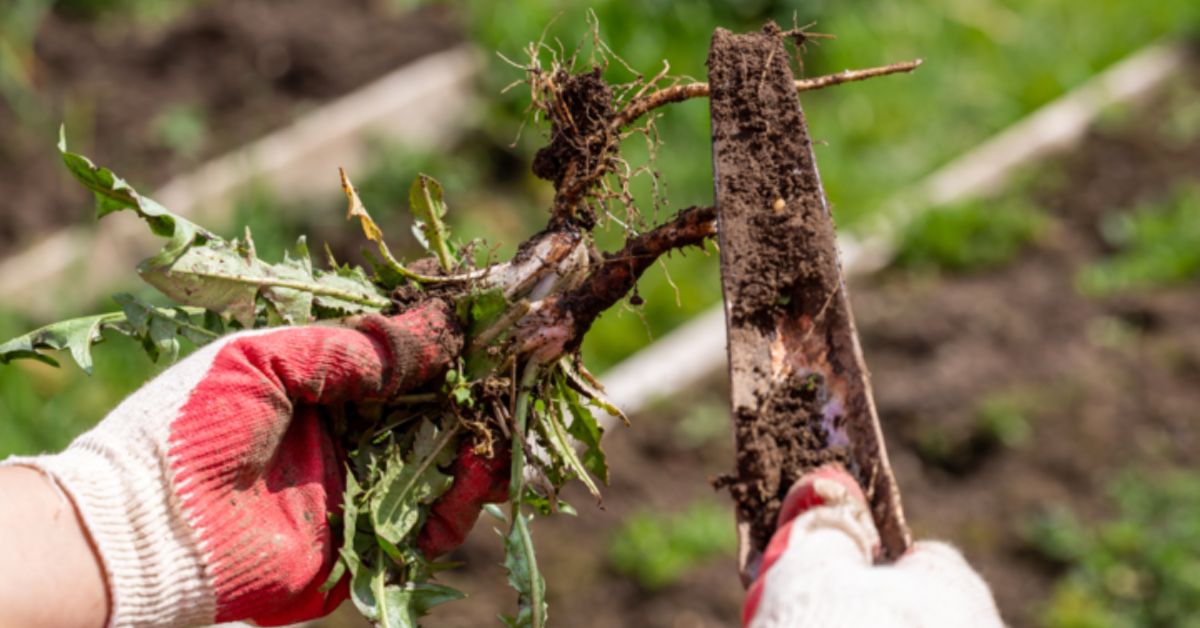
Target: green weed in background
1004,418
181,128
658,549
973,236
1139,569
1157,244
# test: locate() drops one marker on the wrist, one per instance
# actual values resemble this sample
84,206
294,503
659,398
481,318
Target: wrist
41,531
146,555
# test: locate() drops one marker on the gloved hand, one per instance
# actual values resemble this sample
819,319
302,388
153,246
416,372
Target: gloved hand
206,492
819,570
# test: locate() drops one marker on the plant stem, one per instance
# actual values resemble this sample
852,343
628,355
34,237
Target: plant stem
398,267
611,279
536,592
679,93
847,76
517,483
191,311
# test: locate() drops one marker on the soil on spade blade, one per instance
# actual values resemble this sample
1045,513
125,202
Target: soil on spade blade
215,78
800,393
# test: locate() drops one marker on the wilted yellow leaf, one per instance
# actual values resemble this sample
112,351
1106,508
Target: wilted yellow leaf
356,209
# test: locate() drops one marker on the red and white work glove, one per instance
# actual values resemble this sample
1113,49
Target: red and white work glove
207,491
819,570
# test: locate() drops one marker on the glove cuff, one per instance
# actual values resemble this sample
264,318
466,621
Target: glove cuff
151,559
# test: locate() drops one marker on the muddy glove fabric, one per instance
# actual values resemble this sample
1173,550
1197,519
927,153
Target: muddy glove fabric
819,572
207,491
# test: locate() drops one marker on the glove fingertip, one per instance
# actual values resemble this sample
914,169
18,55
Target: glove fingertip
819,487
477,481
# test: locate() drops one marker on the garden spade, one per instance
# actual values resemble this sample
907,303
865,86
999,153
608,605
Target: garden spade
800,390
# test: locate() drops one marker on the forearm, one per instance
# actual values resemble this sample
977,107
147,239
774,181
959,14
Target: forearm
50,576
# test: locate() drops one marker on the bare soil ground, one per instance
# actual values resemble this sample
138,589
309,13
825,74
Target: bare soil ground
1097,403
937,346
243,67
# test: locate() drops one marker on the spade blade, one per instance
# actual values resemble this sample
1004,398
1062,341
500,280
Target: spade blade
800,393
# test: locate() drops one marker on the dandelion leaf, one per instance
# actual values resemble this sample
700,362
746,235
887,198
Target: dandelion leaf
77,335
408,482
520,561
428,206
585,429
113,194
217,275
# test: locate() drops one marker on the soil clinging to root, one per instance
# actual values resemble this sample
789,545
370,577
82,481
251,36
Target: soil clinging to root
584,102
800,397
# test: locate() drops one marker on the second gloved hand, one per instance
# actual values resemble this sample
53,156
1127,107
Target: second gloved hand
819,570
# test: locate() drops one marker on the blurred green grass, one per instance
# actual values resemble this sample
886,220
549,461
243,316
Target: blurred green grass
1157,244
659,549
989,62
970,236
1139,568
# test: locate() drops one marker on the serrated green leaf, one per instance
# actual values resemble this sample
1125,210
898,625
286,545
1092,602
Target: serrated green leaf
561,443
221,277
359,295
410,481
521,562
362,581
350,514
384,272
556,468
335,575
426,201
158,326
541,503
113,194
481,309
586,385
216,276
77,335
586,430
293,306
404,604
483,314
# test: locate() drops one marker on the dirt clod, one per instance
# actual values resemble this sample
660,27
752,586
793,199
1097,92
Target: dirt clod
583,109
